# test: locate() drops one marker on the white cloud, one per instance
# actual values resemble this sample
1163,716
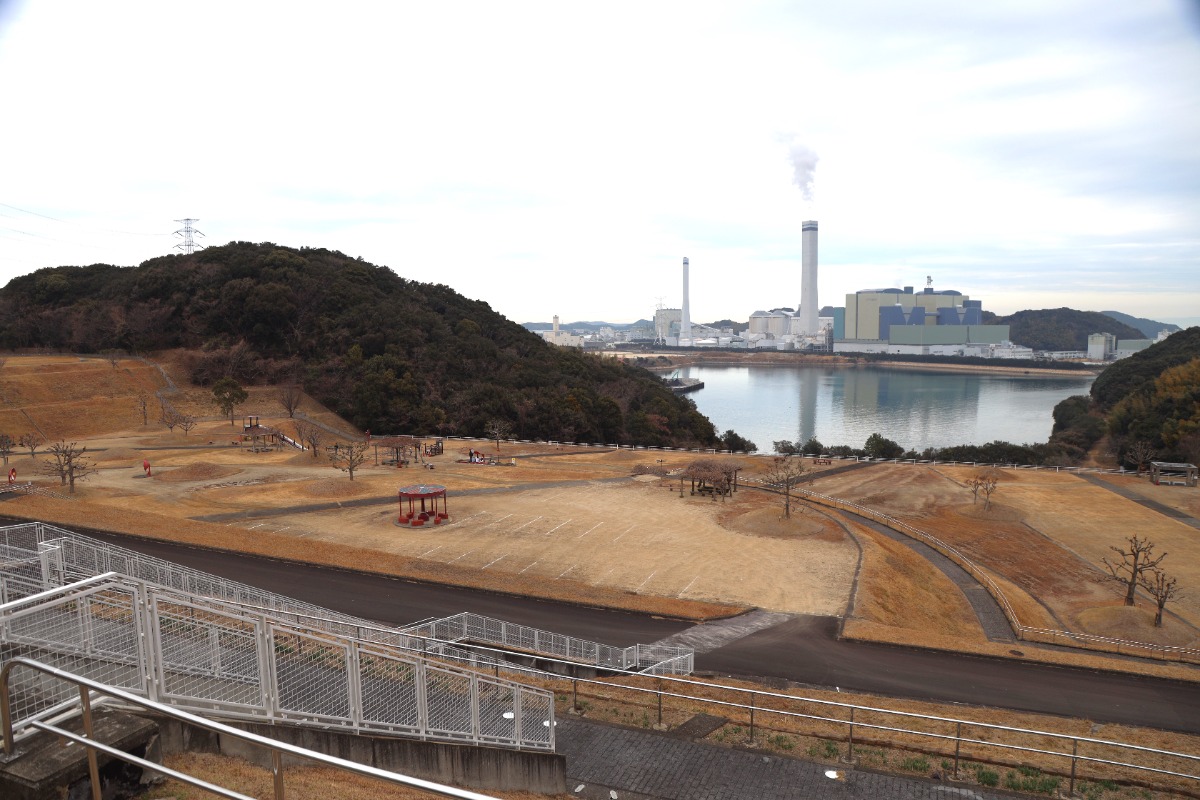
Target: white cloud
552,158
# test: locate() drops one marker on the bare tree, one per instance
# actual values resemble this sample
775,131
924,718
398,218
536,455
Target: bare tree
171,418
68,463
498,429
1134,564
309,435
1161,589
1139,454
31,442
6,446
974,483
290,396
988,482
349,457
113,357
143,400
785,472
186,422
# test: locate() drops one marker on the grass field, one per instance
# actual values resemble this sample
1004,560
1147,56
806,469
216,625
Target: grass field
575,524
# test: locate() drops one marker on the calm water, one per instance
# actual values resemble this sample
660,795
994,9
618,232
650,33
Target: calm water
846,405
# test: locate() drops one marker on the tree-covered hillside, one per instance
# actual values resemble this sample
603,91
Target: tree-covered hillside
1061,328
1154,397
389,354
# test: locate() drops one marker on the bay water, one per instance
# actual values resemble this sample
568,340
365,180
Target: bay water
845,405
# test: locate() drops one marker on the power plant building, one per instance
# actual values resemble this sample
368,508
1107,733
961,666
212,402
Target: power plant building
942,322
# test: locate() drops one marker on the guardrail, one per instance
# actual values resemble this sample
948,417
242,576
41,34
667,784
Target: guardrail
772,713
468,626
277,749
202,655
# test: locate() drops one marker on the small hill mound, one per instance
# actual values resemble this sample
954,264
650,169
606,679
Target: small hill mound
199,471
1136,624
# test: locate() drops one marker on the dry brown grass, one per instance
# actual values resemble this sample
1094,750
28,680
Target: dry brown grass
1042,540
898,589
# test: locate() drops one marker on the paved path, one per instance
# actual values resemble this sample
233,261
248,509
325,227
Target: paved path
712,635
1153,505
644,765
987,610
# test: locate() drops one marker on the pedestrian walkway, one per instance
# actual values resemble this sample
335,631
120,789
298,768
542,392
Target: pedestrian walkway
709,636
607,761
1153,505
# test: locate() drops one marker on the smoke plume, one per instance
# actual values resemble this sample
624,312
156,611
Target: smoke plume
804,167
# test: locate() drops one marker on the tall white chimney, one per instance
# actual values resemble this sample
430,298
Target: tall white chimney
685,324
556,328
807,316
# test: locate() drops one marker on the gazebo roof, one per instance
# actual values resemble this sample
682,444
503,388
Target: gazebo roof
422,490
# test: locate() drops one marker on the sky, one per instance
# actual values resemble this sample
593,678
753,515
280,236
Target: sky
562,158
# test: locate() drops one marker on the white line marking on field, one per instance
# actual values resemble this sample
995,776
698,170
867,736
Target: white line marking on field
556,527
527,524
693,580
434,550
259,525
627,530
565,571
497,520
451,561
493,561
531,564
643,583
589,530
605,575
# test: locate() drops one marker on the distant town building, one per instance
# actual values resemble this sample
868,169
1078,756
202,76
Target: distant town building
561,338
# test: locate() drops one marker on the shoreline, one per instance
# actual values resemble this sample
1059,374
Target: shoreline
768,359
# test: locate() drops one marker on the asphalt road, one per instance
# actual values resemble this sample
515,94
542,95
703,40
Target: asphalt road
804,650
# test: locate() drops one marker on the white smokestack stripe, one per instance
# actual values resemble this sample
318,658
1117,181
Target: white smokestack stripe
808,278
685,325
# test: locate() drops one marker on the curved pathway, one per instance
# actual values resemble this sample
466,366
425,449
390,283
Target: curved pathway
987,609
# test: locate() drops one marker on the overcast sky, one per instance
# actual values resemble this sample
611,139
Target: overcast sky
563,157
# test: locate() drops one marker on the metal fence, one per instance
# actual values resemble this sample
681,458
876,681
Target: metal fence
209,657
84,688
651,659
55,556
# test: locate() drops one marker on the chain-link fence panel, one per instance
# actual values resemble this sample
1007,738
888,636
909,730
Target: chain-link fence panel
204,654
448,696
312,676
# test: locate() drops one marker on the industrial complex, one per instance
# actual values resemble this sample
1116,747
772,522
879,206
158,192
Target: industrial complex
897,320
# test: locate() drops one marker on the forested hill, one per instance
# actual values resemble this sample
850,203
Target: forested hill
388,354
1154,396
1061,328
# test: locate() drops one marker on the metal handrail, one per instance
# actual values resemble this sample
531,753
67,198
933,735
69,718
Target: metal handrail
277,749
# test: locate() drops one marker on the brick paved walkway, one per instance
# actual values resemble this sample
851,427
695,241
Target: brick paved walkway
645,765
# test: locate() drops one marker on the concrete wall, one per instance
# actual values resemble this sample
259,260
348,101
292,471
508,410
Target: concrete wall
480,768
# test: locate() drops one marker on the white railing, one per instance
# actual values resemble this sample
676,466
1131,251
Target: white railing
477,628
83,690
209,657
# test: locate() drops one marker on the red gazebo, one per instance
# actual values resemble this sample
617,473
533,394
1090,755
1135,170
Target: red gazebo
423,492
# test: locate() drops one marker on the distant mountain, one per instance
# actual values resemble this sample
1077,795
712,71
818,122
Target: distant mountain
1061,328
583,325
1149,327
728,323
